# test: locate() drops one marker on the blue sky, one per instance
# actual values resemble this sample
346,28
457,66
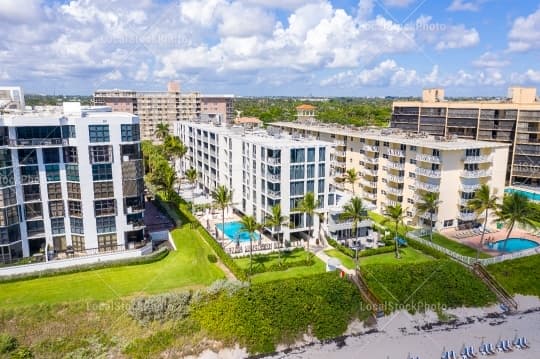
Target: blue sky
271,47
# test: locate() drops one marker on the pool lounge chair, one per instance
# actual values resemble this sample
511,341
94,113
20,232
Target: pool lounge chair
470,352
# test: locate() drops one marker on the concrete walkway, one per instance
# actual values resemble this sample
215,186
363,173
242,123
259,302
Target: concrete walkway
319,253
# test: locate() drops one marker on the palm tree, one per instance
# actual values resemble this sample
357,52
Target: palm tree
515,209
395,214
162,131
249,225
356,212
165,180
429,202
222,197
308,205
481,203
276,220
191,176
351,176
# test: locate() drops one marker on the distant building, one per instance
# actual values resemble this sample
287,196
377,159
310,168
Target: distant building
515,121
11,98
250,122
305,112
70,177
155,107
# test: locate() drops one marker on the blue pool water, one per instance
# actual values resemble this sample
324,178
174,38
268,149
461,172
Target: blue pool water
513,245
530,195
234,231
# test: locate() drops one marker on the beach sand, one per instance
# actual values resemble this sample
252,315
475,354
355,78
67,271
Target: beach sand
422,335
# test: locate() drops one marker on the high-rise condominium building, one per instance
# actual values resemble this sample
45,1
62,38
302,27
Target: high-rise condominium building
171,106
399,168
262,169
73,177
11,98
515,120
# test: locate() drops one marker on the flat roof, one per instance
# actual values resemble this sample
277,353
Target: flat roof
393,135
485,105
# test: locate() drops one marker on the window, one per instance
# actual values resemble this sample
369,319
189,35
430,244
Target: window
385,155
298,155
29,174
102,172
103,189
70,155
54,190
56,208
105,207
8,196
322,153
409,214
77,242
310,171
68,131
413,148
386,144
51,155
297,188
130,133
76,225
436,152
31,192
74,190
470,152
412,175
99,133
448,223
311,155
310,186
322,172
100,154
57,226
52,172
27,156
410,201
75,208
33,210
297,172
34,228
412,161
106,224
72,173
321,186
107,242
5,158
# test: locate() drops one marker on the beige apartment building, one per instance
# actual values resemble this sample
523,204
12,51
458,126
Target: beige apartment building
395,167
514,120
171,106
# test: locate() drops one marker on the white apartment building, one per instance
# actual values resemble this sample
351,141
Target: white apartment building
395,167
11,98
70,179
262,169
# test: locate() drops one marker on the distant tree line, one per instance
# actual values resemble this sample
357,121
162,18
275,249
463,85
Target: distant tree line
55,100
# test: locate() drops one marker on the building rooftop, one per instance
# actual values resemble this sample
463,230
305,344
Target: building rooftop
305,107
247,120
392,135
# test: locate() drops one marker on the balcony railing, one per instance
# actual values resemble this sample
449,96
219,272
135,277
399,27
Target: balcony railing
428,158
370,184
371,196
395,191
371,160
370,172
396,179
477,159
398,153
340,143
469,188
274,194
38,142
475,174
340,153
273,177
428,186
391,203
464,202
427,172
273,161
467,216
427,215
396,165
138,224
370,148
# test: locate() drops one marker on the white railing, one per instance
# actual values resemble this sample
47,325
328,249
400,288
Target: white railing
470,188
427,172
370,172
391,203
339,143
397,153
397,166
510,256
273,177
475,174
371,196
427,186
340,153
464,202
467,216
371,160
396,191
428,158
477,159
273,161
370,148
427,215
369,183
261,248
274,194
397,179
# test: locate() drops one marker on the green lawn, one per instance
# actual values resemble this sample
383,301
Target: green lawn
261,262
408,255
519,276
187,267
455,246
295,272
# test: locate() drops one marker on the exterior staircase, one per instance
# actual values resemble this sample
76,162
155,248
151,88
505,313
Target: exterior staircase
502,295
367,295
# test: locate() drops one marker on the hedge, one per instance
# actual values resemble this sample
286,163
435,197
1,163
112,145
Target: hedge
426,249
364,253
154,257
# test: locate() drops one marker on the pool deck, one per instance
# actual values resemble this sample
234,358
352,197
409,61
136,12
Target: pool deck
474,241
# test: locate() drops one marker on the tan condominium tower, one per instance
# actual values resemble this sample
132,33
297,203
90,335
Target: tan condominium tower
171,106
514,119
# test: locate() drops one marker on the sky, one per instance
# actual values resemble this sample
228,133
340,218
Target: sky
271,47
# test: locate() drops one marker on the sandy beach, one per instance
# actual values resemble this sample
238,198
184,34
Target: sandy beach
423,335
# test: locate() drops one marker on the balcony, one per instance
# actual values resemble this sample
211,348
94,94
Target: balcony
341,225
477,159
395,191
370,184
340,153
475,174
467,216
136,225
396,179
397,153
427,215
274,194
428,158
464,202
469,188
369,148
427,172
38,142
396,165
371,196
371,160
273,177
273,161
340,143
428,186
391,203
372,173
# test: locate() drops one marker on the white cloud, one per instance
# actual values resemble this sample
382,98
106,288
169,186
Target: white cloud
465,5
457,37
142,73
490,59
365,9
113,76
525,33
528,77
398,3
19,11
4,75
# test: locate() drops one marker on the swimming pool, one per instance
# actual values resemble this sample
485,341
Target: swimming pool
235,232
513,245
530,195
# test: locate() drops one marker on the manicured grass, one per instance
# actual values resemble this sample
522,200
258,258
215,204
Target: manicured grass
519,276
408,255
297,272
184,268
261,262
379,218
455,246
347,261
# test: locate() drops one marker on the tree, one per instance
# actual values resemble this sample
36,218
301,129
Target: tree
191,175
276,220
249,225
351,176
222,197
482,202
395,214
356,212
164,180
515,209
162,131
429,202
308,205
174,148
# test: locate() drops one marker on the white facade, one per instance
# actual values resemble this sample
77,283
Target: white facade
11,98
70,178
261,169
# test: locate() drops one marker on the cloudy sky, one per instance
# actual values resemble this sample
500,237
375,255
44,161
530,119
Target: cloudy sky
271,47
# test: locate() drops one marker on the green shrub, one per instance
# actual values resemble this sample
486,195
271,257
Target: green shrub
345,250
363,253
164,307
426,249
22,353
519,276
7,343
212,258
